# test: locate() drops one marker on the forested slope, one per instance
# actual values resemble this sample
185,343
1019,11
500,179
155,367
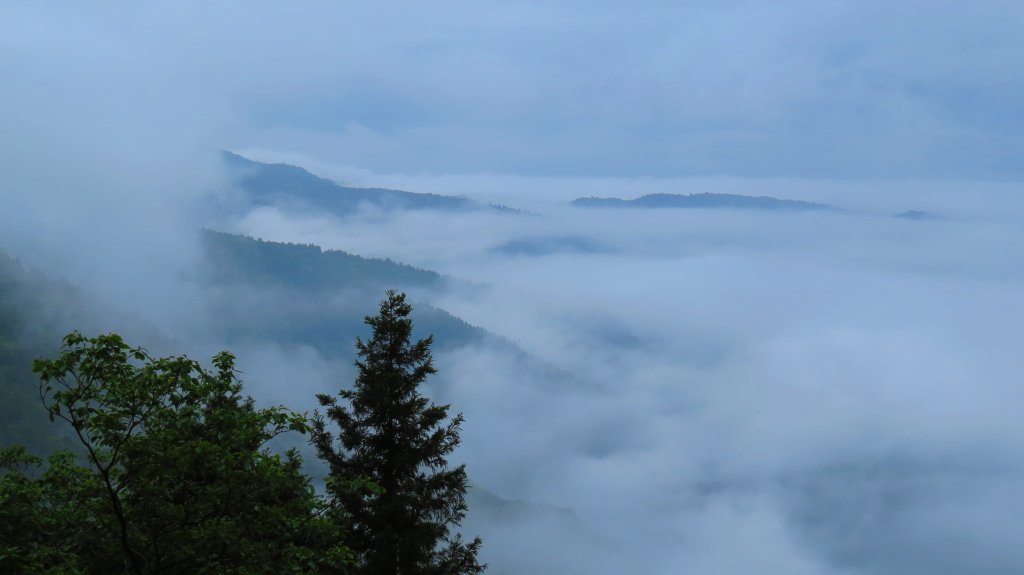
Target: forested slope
34,311
296,293
293,187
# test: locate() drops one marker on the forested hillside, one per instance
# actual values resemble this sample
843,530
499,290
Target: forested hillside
295,293
33,312
256,291
235,259
264,291
293,187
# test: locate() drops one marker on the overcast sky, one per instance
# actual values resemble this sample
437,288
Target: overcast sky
866,89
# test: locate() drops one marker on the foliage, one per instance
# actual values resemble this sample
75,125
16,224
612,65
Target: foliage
388,464
169,471
177,468
45,517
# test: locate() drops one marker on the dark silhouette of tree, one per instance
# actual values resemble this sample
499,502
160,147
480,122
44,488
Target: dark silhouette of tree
388,466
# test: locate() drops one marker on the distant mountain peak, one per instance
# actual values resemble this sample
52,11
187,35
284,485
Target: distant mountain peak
918,215
702,200
293,186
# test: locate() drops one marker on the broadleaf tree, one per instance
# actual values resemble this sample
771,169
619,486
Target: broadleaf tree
47,514
388,458
180,479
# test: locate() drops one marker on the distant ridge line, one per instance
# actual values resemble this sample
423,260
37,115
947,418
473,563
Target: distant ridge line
702,200
279,183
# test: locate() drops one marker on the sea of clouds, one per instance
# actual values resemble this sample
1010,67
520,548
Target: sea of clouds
815,392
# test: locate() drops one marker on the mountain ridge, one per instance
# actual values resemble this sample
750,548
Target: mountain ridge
703,200
277,184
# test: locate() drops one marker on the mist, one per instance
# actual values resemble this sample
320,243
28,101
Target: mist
703,391
812,392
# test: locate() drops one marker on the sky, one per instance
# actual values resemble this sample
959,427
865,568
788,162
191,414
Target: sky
804,89
831,394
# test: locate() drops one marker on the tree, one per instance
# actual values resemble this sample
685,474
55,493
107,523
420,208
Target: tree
388,466
179,477
44,514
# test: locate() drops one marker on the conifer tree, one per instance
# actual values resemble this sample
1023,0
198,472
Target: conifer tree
389,468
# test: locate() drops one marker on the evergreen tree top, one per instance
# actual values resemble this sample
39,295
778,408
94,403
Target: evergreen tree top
389,466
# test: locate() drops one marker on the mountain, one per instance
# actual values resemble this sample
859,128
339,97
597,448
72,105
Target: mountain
35,312
917,215
296,295
548,245
704,200
303,294
306,267
254,292
291,186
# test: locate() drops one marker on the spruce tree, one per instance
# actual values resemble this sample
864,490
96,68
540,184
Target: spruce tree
388,466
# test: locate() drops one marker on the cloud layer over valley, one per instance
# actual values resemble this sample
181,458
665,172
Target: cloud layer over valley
709,391
798,393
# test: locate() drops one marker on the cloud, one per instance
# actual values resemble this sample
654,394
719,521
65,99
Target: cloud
799,393
107,159
809,89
